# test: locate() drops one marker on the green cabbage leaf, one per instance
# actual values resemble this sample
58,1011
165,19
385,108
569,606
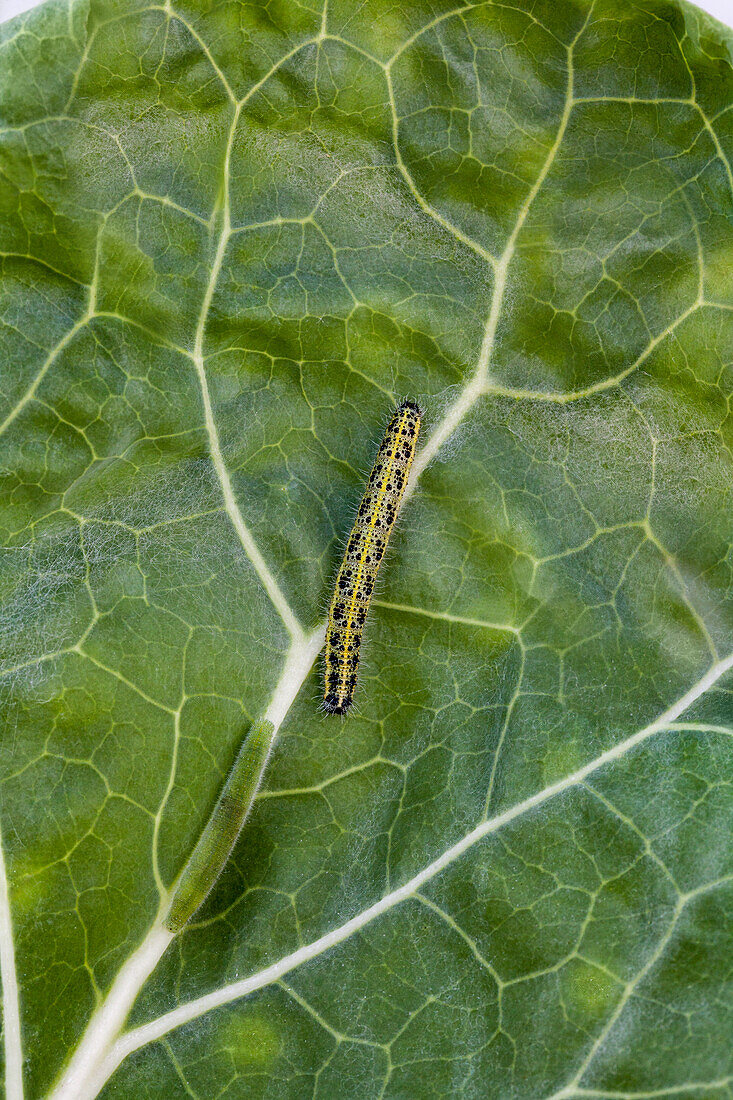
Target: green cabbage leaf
233,234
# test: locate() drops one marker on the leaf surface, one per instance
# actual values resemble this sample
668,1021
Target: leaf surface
232,236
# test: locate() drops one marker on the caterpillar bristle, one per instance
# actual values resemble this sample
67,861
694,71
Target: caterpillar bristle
365,548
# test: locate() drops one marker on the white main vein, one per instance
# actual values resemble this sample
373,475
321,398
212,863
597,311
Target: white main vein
156,1029
11,1000
102,1049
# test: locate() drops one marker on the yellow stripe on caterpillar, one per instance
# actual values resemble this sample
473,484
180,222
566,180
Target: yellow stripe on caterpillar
364,552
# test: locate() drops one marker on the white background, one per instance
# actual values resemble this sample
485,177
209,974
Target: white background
721,9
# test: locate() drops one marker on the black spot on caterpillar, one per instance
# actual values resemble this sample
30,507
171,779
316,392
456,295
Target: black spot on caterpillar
365,548
207,860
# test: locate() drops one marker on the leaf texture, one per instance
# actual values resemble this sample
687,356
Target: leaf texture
232,236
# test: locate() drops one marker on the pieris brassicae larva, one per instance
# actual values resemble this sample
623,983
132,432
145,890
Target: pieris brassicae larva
363,556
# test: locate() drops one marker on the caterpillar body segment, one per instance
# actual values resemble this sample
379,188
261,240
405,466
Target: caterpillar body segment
363,556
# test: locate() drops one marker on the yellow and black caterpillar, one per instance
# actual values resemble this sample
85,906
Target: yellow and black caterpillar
364,552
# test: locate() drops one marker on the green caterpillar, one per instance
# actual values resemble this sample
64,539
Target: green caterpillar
214,846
